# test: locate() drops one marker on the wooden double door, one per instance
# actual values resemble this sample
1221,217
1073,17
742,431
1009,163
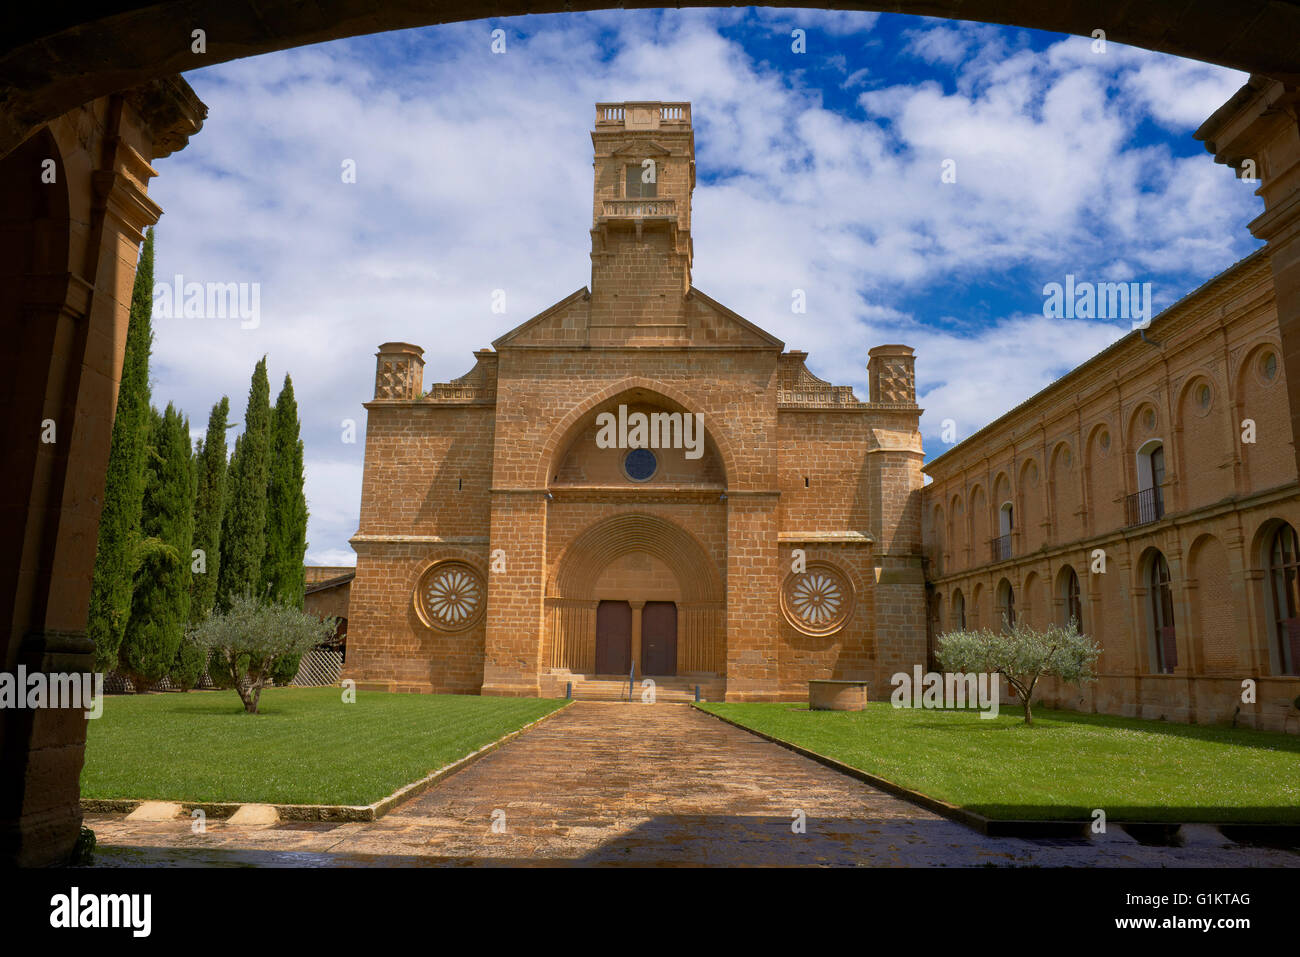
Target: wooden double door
615,622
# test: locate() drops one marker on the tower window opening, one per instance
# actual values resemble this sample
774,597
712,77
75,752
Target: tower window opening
637,188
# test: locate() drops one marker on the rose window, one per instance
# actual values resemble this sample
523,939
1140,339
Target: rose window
450,596
817,601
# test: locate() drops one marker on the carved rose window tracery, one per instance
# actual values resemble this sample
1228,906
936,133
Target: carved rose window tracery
817,601
450,596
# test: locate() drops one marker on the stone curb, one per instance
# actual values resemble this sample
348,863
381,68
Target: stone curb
333,813
1280,835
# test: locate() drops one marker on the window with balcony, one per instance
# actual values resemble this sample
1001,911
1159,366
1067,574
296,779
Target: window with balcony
1147,503
1001,546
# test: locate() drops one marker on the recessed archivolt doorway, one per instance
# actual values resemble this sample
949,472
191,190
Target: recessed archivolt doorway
642,560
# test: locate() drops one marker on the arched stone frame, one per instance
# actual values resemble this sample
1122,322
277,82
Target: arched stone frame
1206,617
1150,656
933,626
570,637
1097,456
1032,609
1061,460
957,535
1249,365
1028,527
1004,602
1065,575
1266,651
1151,484
1187,410
1007,528
1140,433
975,614
1004,493
1246,373
939,539
957,611
560,438
978,520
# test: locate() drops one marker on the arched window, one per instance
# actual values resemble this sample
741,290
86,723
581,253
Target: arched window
1072,606
1002,544
1283,575
958,620
1006,604
1162,615
1148,503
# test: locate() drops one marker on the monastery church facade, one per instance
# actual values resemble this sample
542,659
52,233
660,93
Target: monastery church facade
638,481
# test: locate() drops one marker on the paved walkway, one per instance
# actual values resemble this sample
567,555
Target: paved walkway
642,784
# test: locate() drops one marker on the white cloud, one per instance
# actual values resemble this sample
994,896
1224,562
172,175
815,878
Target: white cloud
473,173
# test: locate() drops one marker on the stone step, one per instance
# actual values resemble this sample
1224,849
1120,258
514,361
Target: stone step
670,689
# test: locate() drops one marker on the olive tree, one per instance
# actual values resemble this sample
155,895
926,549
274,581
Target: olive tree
250,636
1022,655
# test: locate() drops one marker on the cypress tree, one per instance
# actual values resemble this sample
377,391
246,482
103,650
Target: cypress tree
209,505
243,526
283,577
187,666
116,553
160,604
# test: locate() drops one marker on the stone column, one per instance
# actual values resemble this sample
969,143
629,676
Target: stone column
65,296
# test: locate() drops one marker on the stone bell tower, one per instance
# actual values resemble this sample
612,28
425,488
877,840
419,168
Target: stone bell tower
641,221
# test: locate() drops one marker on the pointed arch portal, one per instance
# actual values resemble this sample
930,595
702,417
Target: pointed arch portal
585,632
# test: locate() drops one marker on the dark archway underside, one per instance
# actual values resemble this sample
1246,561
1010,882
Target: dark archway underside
60,56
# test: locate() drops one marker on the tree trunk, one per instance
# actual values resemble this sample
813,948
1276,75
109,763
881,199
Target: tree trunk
1029,711
250,704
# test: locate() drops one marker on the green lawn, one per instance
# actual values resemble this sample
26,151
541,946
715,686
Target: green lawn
1063,767
305,747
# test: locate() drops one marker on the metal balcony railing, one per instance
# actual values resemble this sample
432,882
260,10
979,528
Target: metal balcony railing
1000,547
1144,507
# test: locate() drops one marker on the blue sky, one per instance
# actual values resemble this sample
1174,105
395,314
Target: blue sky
817,170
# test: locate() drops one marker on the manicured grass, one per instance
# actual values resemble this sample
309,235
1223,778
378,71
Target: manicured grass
305,747
1061,768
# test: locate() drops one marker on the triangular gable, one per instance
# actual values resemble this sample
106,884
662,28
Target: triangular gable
708,323
640,148
712,323
549,325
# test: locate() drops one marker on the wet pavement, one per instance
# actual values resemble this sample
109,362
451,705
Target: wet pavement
645,785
